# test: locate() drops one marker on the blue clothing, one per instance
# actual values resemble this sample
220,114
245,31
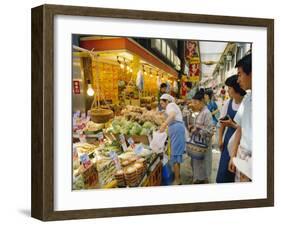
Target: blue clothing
176,132
224,175
212,106
176,159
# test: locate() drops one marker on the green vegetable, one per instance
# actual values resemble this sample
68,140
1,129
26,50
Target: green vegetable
147,125
116,129
115,122
144,131
136,129
124,130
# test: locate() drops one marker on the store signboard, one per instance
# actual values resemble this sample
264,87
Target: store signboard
193,58
76,87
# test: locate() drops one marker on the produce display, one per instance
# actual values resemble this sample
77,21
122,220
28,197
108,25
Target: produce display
106,170
92,128
142,115
84,148
126,127
110,163
112,137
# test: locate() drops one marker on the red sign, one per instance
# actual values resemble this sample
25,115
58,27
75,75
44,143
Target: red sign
193,58
76,87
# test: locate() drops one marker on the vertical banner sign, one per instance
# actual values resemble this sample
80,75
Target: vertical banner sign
193,58
76,87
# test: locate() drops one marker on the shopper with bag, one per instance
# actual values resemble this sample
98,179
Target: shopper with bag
228,127
201,166
176,132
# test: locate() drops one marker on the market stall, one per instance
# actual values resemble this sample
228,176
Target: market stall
112,136
116,153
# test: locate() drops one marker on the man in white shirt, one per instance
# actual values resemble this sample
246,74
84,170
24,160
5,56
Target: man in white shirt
242,144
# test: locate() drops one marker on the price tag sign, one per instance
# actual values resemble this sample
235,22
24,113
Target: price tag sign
138,149
85,160
75,154
82,137
115,159
100,137
131,142
123,142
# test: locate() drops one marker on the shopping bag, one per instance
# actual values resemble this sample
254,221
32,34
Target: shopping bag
157,143
198,144
167,174
230,144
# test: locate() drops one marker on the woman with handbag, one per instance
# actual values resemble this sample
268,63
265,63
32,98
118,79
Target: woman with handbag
176,132
228,127
201,165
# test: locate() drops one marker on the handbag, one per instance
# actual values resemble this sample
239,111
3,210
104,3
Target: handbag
198,144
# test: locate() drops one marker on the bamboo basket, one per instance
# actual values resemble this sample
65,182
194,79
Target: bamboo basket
100,115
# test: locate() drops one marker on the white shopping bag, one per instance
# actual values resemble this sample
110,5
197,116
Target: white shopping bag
157,143
244,166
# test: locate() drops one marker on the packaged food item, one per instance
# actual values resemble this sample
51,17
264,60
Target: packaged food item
131,176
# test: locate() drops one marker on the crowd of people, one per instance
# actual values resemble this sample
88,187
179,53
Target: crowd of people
228,127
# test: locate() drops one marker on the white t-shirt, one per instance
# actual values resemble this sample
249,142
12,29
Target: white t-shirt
224,108
172,107
244,119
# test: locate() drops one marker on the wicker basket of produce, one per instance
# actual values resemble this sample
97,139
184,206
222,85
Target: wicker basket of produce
99,115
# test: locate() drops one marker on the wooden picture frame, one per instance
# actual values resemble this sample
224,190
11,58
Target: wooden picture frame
42,203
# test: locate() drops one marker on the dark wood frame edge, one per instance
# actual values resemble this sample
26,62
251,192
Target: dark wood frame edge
42,202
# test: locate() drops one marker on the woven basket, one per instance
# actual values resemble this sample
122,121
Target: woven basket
196,151
197,148
99,115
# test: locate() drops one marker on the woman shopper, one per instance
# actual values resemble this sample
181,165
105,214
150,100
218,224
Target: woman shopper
202,167
176,132
228,127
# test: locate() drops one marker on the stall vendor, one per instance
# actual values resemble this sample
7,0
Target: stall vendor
176,132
